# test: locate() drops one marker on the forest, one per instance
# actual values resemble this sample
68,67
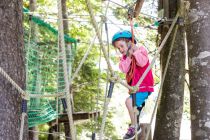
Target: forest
61,73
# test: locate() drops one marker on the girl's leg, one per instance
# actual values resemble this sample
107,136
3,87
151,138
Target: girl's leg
129,106
140,98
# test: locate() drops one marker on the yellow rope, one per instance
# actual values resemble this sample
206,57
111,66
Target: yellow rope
159,50
23,93
99,36
63,51
47,133
105,108
83,60
46,96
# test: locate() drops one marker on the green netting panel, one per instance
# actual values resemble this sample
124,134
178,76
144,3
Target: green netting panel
45,75
41,22
42,113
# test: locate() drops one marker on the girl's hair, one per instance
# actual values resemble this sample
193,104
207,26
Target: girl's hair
124,39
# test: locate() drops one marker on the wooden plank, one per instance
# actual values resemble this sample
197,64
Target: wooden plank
138,7
145,128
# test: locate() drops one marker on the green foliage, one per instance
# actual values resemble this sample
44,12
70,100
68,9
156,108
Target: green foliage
85,85
85,89
43,128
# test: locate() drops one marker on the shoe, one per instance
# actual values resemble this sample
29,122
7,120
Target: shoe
131,133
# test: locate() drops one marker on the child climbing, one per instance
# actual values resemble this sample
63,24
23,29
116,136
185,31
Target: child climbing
133,63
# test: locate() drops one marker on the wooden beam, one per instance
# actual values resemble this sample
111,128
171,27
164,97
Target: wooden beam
144,131
138,7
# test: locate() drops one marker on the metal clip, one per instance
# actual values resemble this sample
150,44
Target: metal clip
180,21
130,13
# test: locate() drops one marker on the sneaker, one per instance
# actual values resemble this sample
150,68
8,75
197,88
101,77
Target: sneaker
131,133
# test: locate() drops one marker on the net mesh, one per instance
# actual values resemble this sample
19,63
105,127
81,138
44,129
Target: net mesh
44,72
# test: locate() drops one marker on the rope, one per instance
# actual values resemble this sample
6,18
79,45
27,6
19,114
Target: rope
46,96
164,75
107,98
126,7
132,31
5,75
99,71
22,125
105,108
135,88
107,6
97,96
47,133
83,59
134,106
111,22
159,50
143,76
57,111
106,101
61,37
99,36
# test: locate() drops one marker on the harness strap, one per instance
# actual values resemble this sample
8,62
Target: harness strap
130,74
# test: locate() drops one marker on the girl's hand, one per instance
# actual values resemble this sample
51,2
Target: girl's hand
132,50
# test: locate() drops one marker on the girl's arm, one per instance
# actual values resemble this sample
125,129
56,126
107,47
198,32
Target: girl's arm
125,64
141,56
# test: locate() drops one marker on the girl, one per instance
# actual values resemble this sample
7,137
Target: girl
133,63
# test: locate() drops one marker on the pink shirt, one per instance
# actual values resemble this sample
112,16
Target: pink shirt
142,60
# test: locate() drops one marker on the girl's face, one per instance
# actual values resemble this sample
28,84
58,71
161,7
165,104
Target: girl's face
121,45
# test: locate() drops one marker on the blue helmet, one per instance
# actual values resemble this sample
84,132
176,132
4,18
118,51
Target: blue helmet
122,34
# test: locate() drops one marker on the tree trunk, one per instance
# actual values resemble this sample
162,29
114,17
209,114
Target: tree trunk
66,31
169,113
65,22
198,34
12,61
34,28
34,31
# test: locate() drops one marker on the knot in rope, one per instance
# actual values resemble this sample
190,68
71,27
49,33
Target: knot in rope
114,78
103,18
134,89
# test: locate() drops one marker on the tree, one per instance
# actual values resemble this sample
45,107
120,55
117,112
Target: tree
34,31
198,32
12,61
169,113
66,30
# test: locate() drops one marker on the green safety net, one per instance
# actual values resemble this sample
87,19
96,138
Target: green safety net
44,72
41,22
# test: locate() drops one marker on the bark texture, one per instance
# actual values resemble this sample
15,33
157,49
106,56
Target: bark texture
169,113
34,32
12,61
198,34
